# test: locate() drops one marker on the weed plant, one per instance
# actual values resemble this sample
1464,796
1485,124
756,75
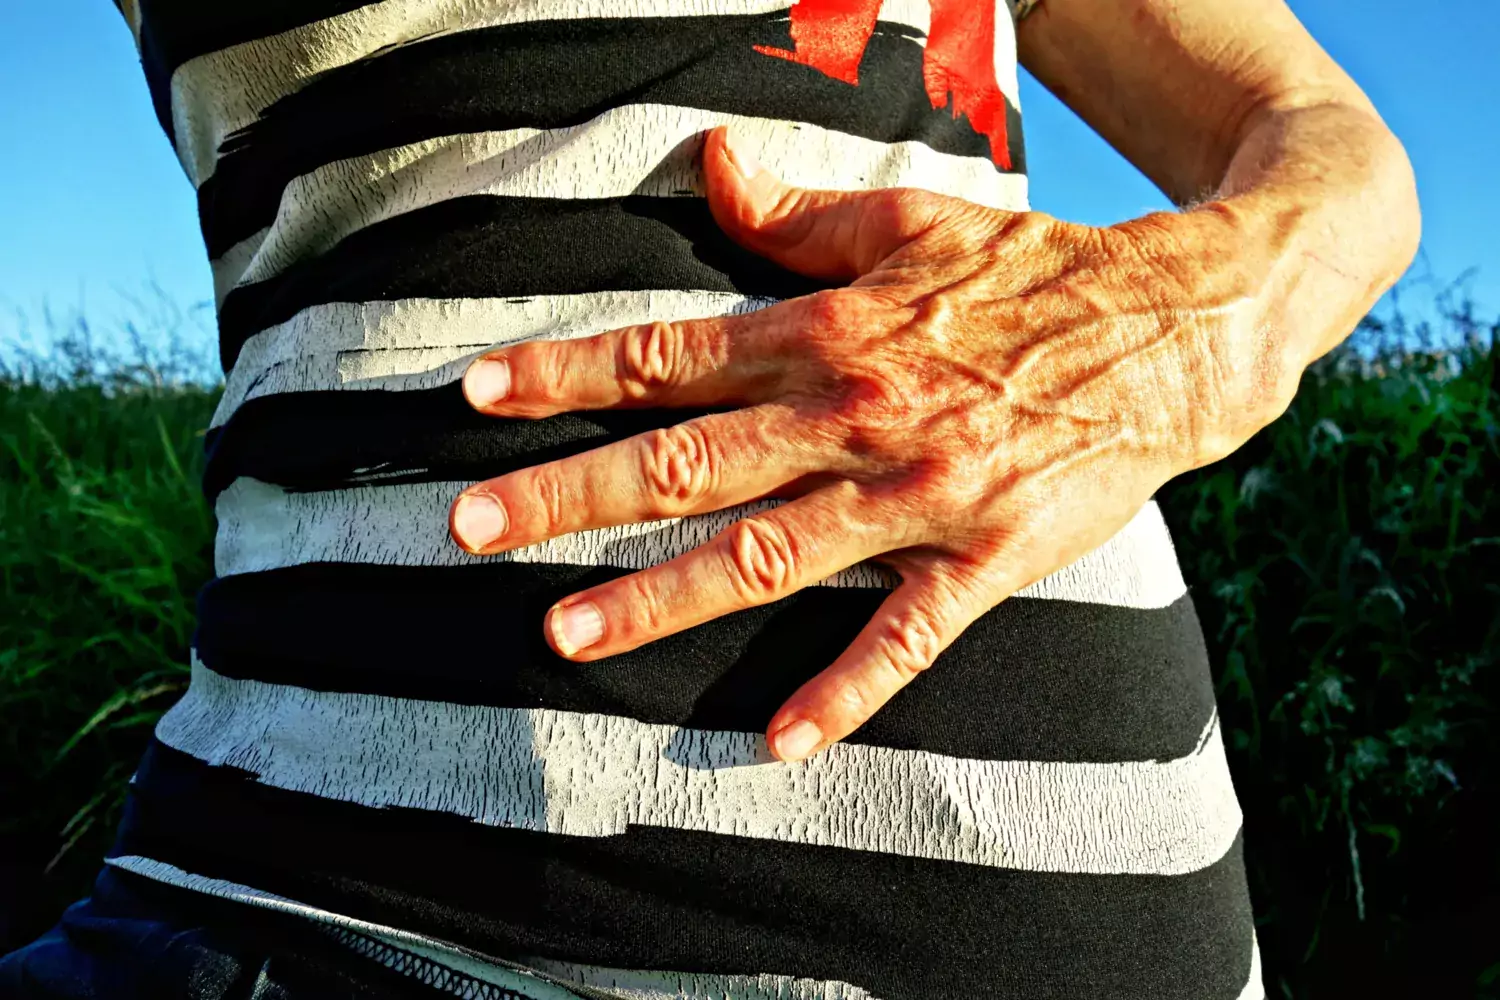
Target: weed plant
1346,566
104,540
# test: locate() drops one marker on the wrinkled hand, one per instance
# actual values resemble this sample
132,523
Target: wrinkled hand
994,395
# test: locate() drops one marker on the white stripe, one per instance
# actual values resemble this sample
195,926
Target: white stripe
263,527
642,149
231,265
1006,62
131,10
1255,988
628,983
591,775
221,92
423,343
639,984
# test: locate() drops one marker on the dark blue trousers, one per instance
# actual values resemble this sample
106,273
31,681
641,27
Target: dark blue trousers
134,939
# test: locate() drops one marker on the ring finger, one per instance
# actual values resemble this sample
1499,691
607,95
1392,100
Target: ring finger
757,560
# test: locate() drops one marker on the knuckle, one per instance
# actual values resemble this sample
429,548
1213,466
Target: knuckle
761,559
548,493
539,367
873,380
792,206
877,400
648,615
958,480
836,309
909,643
650,357
902,209
679,467
854,700
1032,232
876,396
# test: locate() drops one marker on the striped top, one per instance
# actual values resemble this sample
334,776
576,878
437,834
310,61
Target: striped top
376,735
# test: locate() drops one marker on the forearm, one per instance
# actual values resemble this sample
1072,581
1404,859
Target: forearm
1332,191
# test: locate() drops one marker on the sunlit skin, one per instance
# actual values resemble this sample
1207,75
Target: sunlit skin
990,394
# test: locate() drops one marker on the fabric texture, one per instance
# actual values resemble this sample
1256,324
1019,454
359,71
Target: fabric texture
377,739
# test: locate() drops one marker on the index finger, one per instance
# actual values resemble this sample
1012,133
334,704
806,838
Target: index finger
695,362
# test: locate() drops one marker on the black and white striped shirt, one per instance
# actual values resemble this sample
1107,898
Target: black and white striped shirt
376,735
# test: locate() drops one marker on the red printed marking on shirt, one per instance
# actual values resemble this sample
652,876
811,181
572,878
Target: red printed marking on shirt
958,65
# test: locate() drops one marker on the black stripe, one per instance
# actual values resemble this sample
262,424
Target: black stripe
175,31
1033,679
426,435
903,928
487,246
551,74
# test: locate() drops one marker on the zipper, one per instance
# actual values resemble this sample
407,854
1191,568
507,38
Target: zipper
432,973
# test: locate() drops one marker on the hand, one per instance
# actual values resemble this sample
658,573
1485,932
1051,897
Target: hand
991,397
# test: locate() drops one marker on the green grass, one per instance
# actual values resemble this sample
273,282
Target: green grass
104,539
1345,568
1343,563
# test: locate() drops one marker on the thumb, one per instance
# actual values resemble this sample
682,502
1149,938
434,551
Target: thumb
822,234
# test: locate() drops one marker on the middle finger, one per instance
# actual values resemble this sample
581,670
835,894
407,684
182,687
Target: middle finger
705,464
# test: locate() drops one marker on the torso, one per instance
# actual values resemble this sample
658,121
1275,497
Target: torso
376,734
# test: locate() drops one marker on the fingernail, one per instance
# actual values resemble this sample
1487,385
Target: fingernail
576,627
796,741
487,381
738,148
479,520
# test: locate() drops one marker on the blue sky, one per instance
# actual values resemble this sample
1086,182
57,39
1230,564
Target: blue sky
94,203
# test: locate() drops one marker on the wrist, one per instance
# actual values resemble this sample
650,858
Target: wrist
1315,219
1329,191
1222,272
